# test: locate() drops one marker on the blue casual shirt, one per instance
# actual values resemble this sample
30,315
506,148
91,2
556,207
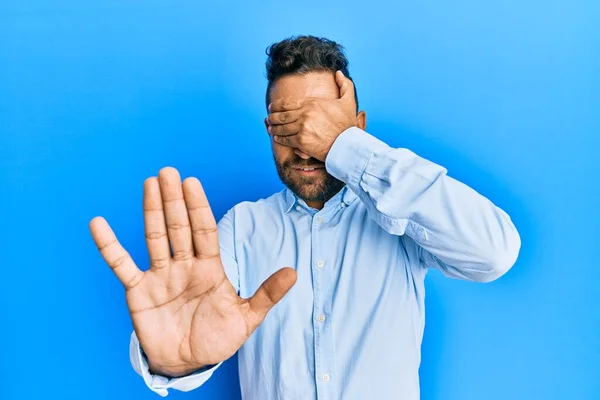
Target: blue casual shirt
351,327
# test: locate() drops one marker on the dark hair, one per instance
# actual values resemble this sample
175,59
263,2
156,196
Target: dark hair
304,54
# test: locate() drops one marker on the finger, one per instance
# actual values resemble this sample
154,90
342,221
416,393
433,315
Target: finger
289,141
204,226
271,292
284,117
346,87
157,240
176,216
285,129
114,254
285,105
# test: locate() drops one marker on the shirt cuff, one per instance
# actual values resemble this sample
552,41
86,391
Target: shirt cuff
350,154
158,383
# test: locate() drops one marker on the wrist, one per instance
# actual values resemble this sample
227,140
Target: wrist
350,153
169,370
172,372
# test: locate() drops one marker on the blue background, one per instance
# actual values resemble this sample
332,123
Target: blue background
97,95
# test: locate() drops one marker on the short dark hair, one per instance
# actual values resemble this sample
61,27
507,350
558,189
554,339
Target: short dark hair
304,54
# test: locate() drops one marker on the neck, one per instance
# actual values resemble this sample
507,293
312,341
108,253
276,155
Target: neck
316,204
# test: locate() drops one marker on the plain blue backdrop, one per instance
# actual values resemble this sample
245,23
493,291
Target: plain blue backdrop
97,95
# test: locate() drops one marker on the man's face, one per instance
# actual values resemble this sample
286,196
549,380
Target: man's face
302,174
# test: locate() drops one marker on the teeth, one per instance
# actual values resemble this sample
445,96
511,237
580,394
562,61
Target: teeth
308,169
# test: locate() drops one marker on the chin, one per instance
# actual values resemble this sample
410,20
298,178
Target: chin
311,195
314,188
309,191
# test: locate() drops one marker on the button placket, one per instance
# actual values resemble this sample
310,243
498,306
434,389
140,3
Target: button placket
321,330
319,318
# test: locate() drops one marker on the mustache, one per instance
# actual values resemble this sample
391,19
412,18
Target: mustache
301,163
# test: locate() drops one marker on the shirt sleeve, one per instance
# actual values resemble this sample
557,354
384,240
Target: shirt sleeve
451,227
160,384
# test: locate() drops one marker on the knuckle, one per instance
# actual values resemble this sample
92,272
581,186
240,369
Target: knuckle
119,261
176,226
173,200
204,231
200,207
182,254
133,282
107,245
155,235
159,263
208,256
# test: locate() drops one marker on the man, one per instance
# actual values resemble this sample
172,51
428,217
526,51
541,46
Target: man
358,227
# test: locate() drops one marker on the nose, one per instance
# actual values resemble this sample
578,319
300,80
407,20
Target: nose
301,154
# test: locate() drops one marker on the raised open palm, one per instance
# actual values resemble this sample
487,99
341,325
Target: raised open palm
185,311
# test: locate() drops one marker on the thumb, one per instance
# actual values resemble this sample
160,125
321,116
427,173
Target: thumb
270,292
346,87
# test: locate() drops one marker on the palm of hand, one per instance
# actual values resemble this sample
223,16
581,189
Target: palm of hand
184,310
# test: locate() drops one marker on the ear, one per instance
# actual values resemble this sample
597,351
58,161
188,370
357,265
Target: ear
361,120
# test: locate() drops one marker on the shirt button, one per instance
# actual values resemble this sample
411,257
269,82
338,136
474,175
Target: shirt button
319,220
298,208
343,205
321,318
320,263
325,377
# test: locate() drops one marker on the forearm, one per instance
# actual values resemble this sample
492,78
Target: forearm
457,228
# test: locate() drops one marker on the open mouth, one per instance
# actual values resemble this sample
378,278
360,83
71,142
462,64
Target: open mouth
309,170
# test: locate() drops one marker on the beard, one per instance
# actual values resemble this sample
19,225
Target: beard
321,187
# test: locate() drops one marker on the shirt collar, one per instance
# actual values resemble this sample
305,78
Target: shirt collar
290,200
348,196
345,195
